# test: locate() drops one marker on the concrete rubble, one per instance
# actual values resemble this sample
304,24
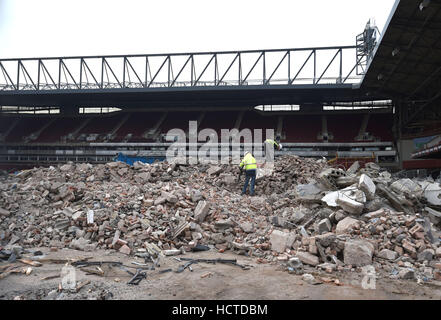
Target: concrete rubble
304,215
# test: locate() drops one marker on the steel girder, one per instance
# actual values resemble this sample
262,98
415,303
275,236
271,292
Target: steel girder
290,67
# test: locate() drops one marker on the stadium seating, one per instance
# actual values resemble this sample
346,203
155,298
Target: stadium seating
5,122
296,127
137,124
380,126
301,128
58,129
100,125
25,127
218,120
178,120
344,127
253,120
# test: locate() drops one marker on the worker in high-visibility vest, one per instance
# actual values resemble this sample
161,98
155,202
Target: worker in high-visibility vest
250,165
270,145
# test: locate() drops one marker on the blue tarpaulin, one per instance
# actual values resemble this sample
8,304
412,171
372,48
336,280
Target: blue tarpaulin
132,159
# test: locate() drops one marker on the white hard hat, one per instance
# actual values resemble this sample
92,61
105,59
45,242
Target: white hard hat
280,146
246,152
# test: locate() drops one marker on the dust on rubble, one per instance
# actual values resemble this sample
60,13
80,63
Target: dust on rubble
310,227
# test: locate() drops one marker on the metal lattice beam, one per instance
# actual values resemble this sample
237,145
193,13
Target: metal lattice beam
139,71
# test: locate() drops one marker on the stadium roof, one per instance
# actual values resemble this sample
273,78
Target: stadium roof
407,61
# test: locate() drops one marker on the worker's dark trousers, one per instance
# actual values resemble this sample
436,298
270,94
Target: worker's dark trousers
250,174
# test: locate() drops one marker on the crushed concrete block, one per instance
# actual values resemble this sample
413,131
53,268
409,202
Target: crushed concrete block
324,225
346,181
224,224
170,197
297,215
279,221
280,241
406,273
339,215
160,200
426,254
214,170
373,205
4,212
394,200
218,238
350,206
62,224
66,168
229,179
346,224
406,186
432,193
387,254
201,211
310,189
358,252
247,227
347,193
367,186
438,252
331,198
434,215
326,239
196,195
257,202
143,176
307,258
122,171
353,168
113,164
172,252
375,214
373,166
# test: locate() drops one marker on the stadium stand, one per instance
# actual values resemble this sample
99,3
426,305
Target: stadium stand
344,128
218,120
254,120
100,126
58,129
136,125
380,127
301,128
24,128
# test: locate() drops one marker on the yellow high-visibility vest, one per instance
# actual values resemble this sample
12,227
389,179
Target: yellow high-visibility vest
272,142
249,162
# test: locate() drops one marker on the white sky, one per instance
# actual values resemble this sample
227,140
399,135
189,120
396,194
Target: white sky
34,28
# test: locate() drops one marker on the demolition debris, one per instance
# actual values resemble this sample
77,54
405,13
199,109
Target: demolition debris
305,214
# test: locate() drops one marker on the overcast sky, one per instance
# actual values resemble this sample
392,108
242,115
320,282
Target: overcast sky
33,28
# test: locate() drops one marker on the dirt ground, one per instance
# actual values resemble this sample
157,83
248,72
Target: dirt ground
205,281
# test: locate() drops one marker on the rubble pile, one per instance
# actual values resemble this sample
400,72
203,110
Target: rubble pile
305,213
